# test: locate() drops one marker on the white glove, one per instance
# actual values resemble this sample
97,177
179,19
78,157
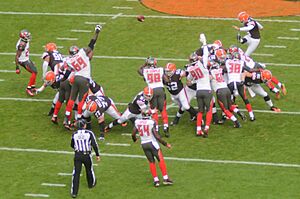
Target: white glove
202,38
98,28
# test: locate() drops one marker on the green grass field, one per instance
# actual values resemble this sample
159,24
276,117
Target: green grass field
231,163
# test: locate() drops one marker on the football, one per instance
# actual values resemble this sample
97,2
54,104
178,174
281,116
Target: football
140,18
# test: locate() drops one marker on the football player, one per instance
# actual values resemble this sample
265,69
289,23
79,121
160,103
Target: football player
80,63
146,127
252,27
22,59
178,95
139,104
154,76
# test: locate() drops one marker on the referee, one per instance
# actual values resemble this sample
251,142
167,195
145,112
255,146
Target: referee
82,142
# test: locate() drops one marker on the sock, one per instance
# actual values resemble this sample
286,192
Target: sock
153,170
69,108
164,114
199,120
32,79
268,101
155,117
57,108
162,164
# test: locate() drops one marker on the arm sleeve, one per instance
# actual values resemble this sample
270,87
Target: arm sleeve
259,26
247,28
94,143
158,137
45,67
205,56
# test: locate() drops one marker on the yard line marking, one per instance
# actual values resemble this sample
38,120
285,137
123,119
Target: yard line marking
171,106
7,71
133,0
271,46
134,16
125,104
63,47
263,55
53,185
117,15
143,58
126,134
66,38
289,38
122,8
66,174
117,144
95,165
36,195
2,80
167,158
80,30
94,23
294,29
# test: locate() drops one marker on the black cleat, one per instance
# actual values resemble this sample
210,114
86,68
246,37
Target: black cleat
168,182
252,119
73,195
166,131
54,120
175,121
242,115
237,124
156,183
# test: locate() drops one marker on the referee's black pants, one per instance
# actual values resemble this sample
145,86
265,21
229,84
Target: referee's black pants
79,159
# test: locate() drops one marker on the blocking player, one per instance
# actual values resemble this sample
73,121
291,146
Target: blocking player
146,127
22,59
80,63
252,27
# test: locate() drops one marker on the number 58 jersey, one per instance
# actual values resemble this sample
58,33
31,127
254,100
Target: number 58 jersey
81,64
154,77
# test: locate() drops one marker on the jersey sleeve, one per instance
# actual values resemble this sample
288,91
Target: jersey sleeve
45,54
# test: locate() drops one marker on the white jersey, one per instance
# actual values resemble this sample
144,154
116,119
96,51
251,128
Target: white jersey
154,77
199,74
145,127
248,61
81,64
217,80
234,69
24,46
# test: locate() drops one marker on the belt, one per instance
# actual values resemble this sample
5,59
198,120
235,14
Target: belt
84,152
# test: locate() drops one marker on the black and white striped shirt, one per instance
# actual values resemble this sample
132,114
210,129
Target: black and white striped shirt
83,140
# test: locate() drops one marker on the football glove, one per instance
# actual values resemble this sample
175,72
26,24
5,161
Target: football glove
18,71
202,38
98,28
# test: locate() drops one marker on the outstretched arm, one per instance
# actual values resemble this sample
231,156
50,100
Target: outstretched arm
90,48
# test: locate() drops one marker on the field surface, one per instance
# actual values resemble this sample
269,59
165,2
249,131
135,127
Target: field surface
260,160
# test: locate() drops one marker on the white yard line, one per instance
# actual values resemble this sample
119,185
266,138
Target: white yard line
60,47
274,46
117,15
288,38
94,23
66,174
116,144
53,185
143,58
126,134
36,195
2,80
295,29
80,30
263,55
122,8
147,16
7,71
125,104
67,38
287,165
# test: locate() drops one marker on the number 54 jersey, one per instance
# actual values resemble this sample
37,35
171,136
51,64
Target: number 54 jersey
80,62
145,128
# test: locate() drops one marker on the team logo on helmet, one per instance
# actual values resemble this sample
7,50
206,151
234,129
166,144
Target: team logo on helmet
170,69
25,35
73,50
148,93
50,47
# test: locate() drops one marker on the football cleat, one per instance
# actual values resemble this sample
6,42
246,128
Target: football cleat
205,135
54,120
275,109
175,121
101,137
73,195
67,124
166,131
283,89
277,95
237,124
193,118
168,182
252,119
199,133
156,183
220,122
242,115
29,92
124,124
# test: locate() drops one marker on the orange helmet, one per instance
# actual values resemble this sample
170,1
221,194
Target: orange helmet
266,75
50,47
170,69
148,93
218,43
221,55
243,17
49,78
91,106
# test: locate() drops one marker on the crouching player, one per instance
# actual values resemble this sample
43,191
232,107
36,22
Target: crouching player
149,137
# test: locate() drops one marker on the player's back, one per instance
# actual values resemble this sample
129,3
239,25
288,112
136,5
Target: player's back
80,62
217,79
234,69
145,127
200,75
154,77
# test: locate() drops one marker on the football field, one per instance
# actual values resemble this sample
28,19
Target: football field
259,160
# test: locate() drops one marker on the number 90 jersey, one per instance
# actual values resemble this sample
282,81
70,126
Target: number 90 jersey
80,62
145,127
200,75
154,77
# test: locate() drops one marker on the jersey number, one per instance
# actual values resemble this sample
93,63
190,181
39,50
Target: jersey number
143,129
153,77
234,68
219,77
172,86
196,73
78,63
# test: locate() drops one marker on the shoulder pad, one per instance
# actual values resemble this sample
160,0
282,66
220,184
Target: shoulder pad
21,45
45,54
